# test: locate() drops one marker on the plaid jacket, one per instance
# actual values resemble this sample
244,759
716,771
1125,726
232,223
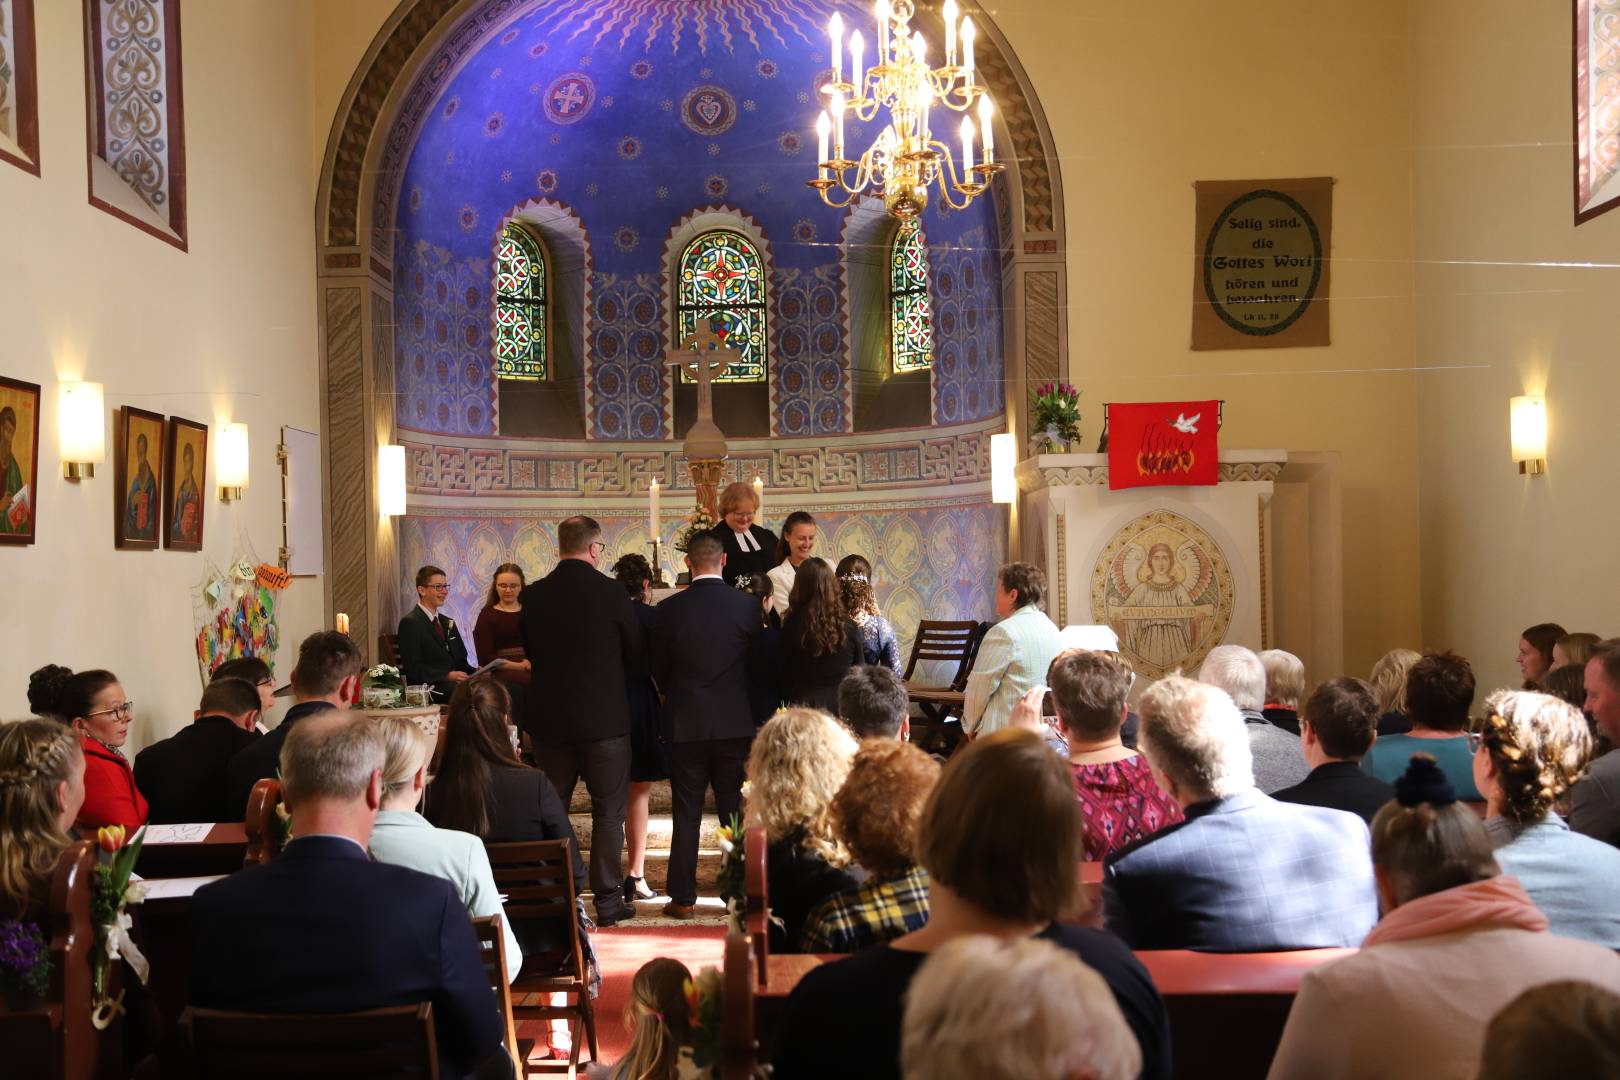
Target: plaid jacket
871,914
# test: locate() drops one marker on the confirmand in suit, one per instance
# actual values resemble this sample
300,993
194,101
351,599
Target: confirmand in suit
183,776
431,647
700,661
1243,872
1337,727
581,633
296,936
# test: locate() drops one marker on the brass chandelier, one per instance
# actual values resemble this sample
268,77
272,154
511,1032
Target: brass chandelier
906,158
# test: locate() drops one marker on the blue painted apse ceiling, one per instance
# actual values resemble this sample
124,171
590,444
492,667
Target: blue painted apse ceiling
634,114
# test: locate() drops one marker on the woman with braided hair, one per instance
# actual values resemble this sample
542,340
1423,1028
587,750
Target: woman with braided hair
41,790
1457,942
1532,748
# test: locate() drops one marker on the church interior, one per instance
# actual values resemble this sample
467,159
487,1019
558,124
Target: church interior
383,285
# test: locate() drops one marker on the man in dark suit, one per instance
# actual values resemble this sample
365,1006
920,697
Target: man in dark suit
431,648
183,776
580,632
1243,872
327,676
748,548
1338,725
324,929
700,662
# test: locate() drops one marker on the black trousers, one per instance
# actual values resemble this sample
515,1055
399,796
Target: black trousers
694,766
604,765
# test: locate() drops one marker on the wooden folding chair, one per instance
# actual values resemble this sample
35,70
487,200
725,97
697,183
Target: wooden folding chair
56,1039
944,643
537,879
492,951
261,824
739,1050
381,1044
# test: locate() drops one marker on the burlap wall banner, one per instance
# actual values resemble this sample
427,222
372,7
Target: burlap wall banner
1260,277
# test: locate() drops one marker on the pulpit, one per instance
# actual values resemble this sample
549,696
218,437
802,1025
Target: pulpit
1174,570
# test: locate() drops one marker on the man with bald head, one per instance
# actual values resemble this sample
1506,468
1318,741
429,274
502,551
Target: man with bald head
323,929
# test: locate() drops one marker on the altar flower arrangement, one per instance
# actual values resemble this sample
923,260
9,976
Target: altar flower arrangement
701,1059
1055,417
382,687
111,891
25,965
697,523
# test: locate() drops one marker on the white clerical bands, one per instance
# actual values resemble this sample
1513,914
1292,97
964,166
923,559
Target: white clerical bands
746,541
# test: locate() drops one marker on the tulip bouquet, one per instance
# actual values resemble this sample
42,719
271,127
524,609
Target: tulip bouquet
732,874
1055,417
111,891
701,1059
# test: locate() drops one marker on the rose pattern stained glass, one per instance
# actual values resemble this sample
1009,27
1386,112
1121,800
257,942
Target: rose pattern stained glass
911,315
520,306
721,286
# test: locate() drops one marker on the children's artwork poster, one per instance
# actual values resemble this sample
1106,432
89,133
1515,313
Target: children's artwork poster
236,614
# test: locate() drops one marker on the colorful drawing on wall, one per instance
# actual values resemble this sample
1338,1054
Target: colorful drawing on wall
138,476
1164,586
236,616
19,460
187,453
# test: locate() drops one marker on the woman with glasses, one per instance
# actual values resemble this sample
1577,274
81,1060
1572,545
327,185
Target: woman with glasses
93,704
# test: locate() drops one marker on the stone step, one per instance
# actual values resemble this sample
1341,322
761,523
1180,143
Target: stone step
660,832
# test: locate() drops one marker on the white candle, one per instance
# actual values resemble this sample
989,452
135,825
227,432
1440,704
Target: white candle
949,13
925,97
967,149
342,623
968,34
986,128
835,31
919,48
759,498
838,120
881,13
823,133
857,46
652,509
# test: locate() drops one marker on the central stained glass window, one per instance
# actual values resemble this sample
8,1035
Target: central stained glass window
911,316
720,285
520,306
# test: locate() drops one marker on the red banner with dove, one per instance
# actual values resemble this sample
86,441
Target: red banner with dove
1163,444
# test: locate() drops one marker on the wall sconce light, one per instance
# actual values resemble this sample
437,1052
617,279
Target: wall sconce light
231,461
391,480
81,428
1528,423
1003,459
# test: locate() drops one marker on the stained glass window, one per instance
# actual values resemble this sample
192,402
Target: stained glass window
721,285
911,316
520,306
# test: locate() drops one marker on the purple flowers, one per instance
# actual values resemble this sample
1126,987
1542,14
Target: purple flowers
25,961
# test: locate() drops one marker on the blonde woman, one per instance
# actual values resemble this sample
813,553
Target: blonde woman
657,1018
1389,680
402,837
749,548
799,760
1532,748
41,790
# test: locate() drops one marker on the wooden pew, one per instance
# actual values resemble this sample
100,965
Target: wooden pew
774,976
220,851
261,828
739,1051
57,1039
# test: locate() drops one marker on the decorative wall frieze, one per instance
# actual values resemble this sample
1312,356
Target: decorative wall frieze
1080,470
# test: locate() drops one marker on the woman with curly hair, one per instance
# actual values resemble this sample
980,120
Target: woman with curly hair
1389,679
878,643
819,642
1532,747
799,761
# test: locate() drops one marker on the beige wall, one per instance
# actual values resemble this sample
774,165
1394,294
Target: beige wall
1146,99
1512,299
226,331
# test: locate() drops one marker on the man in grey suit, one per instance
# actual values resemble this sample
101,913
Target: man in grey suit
1243,872
1278,761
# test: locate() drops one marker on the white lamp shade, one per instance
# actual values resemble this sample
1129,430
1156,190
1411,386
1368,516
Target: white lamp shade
1003,459
82,423
1528,424
231,456
391,479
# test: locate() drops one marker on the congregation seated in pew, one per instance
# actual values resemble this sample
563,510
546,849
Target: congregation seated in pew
1339,724
326,676
1274,750
183,776
257,673
872,703
324,929
1458,940
1243,872
875,814
1006,868
93,704
1439,694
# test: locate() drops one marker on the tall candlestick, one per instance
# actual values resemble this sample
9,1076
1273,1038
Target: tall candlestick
835,31
968,34
759,497
949,14
967,150
652,509
986,128
857,46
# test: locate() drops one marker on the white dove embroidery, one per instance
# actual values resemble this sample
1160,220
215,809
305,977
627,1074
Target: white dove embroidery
1187,425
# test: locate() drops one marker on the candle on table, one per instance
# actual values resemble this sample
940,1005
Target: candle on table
342,623
652,509
759,497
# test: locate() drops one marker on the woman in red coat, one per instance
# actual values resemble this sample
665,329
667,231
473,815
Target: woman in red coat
94,705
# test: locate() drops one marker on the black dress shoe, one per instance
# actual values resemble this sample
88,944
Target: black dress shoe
614,916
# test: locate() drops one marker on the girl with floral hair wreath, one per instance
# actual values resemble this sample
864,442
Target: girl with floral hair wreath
878,643
1532,749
